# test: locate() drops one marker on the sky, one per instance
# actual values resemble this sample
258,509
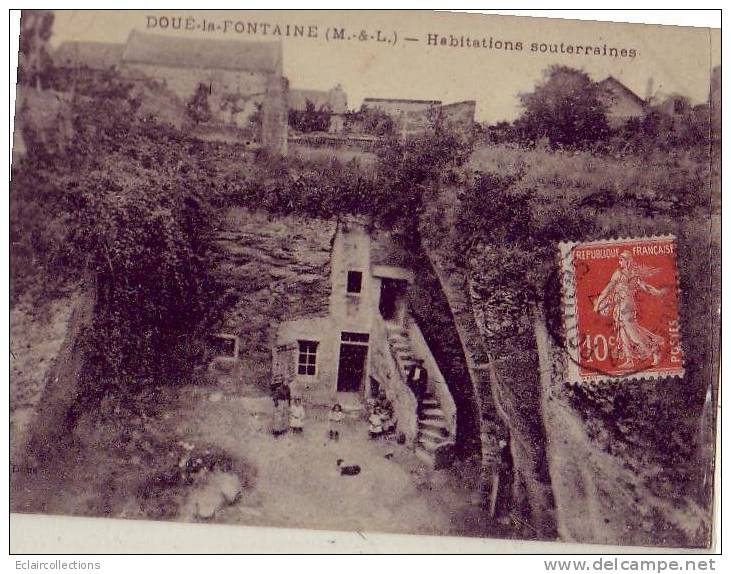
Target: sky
374,58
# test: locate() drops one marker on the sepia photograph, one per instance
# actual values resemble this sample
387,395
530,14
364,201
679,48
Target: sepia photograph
399,272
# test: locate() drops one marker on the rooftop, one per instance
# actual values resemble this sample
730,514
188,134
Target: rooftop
611,81
173,51
180,52
403,101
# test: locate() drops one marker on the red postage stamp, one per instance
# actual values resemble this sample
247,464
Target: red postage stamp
620,303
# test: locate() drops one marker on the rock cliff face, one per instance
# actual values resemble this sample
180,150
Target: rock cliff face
613,484
507,386
36,338
274,270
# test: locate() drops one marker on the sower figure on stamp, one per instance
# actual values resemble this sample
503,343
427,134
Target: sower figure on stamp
632,341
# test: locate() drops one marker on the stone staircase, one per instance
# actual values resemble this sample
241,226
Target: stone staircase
398,340
433,442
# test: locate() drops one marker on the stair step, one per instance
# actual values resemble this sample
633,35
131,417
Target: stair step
434,424
430,404
400,346
431,414
434,435
431,445
396,332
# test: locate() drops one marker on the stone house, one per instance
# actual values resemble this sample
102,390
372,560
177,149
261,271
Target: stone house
671,104
366,343
242,77
416,117
621,102
396,107
322,306
92,55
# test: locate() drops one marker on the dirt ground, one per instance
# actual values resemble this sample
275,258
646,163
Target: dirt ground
291,481
298,483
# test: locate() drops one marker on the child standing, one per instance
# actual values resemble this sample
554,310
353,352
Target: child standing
336,420
375,425
297,416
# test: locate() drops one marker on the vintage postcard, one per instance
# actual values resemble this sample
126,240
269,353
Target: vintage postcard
367,271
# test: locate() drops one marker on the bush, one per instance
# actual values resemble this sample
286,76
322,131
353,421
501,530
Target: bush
310,119
370,121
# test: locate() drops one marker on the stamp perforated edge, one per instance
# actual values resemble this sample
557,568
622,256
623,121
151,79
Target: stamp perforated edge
570,313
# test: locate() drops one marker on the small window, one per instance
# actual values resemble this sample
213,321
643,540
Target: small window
355,281
307,361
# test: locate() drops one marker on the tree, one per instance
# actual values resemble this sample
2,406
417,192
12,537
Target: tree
566,108
198,107
500,133
310,119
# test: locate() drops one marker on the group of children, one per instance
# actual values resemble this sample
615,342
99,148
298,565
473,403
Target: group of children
381,420
289,414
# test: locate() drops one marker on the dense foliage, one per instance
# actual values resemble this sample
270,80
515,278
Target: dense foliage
122,205
311,119
566,108
370,121
506,227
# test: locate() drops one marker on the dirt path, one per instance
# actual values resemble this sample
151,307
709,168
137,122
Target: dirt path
291,481
297,483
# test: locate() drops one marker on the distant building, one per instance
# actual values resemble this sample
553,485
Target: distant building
671,104
397,107
243,78
334,99
622,103
415,117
